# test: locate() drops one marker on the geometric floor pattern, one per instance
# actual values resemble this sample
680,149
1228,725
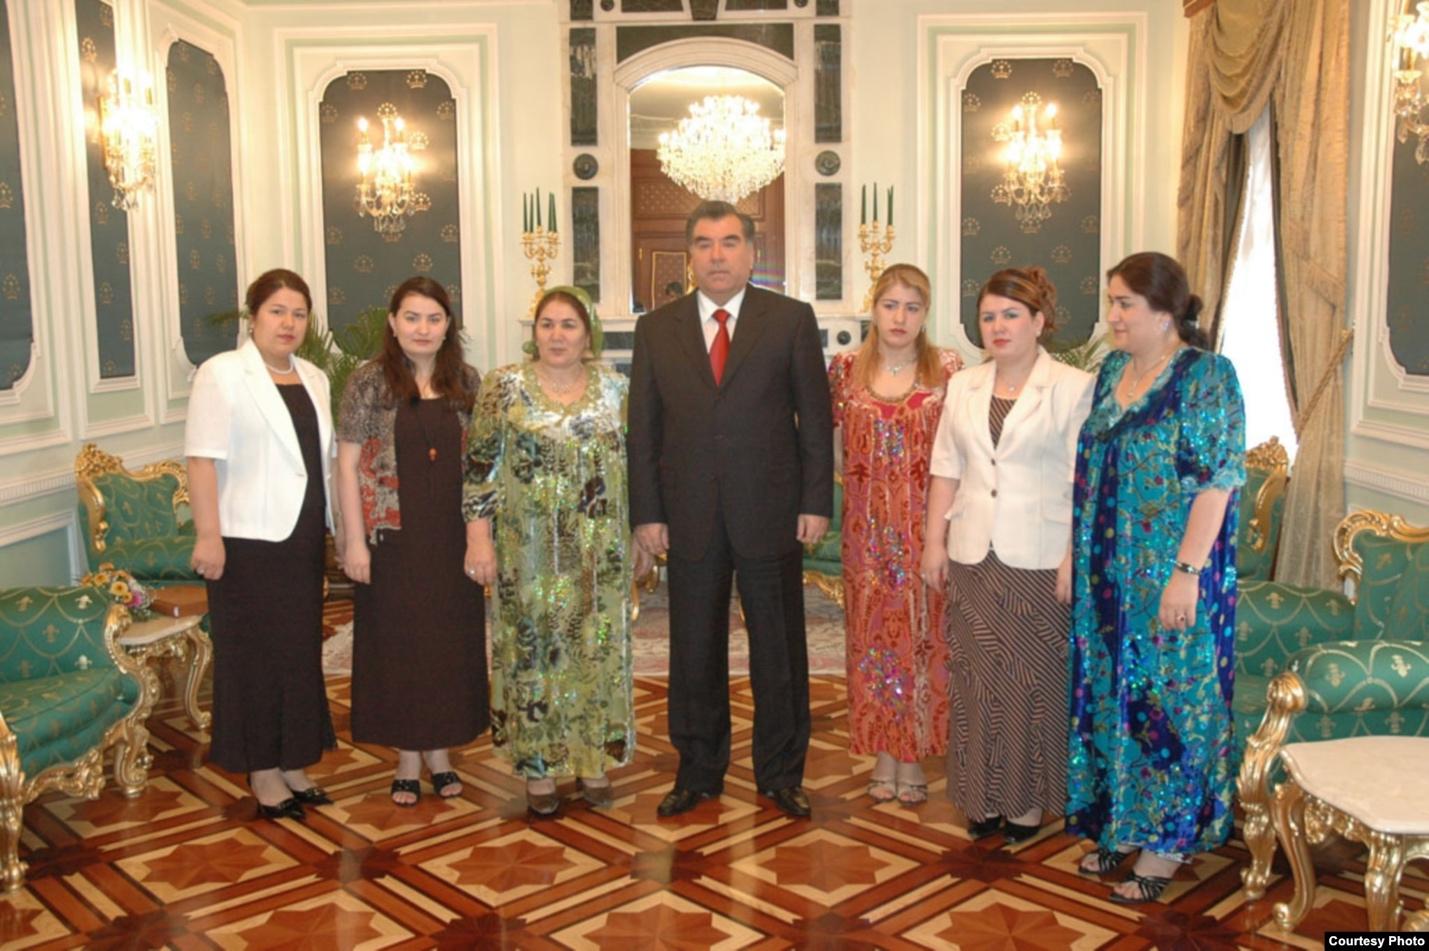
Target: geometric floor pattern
186,865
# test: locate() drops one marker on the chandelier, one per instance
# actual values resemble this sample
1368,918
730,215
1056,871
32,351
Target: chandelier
1032,178
1411,41
385,189
127,124
723,150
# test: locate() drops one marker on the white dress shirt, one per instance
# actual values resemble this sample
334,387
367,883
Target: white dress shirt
707,308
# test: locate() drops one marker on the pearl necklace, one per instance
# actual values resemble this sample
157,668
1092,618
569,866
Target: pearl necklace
292,367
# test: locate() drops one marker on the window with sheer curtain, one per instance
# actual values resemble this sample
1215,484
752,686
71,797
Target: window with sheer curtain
1251,334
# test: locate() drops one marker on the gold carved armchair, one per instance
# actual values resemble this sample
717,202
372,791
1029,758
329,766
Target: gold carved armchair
135,520
1262,509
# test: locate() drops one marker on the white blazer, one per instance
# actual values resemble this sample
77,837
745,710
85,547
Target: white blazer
237,418
1015,498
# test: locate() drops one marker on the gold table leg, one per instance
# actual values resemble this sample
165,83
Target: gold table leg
201,655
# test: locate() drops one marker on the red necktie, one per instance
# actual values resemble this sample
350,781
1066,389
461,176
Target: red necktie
719,350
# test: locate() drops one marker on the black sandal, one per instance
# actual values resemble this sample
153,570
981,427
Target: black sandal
1108,861
406,786
441,781
1149,887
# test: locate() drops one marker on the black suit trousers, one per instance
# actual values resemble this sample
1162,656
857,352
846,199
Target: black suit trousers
772,596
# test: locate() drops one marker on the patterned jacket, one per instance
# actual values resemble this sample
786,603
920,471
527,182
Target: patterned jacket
369,418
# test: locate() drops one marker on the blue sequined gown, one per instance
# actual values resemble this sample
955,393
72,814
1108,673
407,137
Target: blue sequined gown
1150,743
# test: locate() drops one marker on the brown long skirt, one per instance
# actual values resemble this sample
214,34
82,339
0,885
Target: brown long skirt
1007,640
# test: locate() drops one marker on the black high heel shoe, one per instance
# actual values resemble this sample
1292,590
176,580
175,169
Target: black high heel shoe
312,796
289,808
983,828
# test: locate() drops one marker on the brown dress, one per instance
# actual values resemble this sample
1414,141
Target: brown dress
1007,641
419,629
269,706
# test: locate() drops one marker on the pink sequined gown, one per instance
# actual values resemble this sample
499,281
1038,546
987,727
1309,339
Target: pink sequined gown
897,657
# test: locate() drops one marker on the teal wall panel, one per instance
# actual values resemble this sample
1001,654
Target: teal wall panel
16,316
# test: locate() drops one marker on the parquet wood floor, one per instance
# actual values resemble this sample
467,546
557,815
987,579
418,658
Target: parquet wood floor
188,866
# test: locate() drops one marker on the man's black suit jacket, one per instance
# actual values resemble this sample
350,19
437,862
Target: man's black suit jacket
758,447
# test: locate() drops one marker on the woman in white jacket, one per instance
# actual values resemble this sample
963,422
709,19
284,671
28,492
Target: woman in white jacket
258,442
999,537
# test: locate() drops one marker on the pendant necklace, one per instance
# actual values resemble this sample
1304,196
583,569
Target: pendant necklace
422,424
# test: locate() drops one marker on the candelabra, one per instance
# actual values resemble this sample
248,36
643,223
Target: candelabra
540,246
127,124
1032,178
874,240
1411,41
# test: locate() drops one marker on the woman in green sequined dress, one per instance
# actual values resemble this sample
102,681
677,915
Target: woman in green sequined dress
546,486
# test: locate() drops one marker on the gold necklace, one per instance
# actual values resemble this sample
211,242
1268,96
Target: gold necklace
1136,383
573,386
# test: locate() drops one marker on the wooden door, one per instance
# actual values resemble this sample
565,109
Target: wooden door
658,211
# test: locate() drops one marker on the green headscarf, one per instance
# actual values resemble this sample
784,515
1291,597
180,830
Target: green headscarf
597,334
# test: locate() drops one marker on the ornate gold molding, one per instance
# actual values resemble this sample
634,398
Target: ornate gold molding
1271,458
93,462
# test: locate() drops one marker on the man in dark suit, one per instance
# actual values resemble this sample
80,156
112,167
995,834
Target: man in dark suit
731,469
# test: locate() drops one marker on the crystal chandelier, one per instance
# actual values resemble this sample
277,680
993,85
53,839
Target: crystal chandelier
385,189
723,150
127,124
1032,178
1411,41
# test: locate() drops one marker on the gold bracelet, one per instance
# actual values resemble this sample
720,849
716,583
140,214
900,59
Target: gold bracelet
1187,567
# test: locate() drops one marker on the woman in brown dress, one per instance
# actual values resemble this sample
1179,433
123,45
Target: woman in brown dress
1000,533
419,630
258,438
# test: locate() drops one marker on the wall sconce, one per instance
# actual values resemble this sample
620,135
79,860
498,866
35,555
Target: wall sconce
1410,37
1032,178
385,189
127,124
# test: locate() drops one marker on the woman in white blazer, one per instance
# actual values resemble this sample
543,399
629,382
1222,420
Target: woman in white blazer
258,442
999,537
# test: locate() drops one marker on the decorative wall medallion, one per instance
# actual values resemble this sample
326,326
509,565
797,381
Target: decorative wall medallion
121,252
171,81
585,166
7,196
327,112
186,122
422,263
1064,315
1091,224
210,296
446,110
969,287
184,52
1062,254
971,102
1001,69
450,234
1001,256
106,14
200,95
106,293
356,81
827,162
362,264
1062,69
101,212
422,201
126,330
1089,284
183,294
336,297
417,79
971,227
205,228
88,51
220,263
1092,97
454,292
195,260
10,287
334,236
418,141
210,66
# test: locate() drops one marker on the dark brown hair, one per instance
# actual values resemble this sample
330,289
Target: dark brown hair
1030,287
551,297
1162,281
448,378
714,211
868,360
271,282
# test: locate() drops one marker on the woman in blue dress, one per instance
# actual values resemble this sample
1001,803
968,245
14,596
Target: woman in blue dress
1160,460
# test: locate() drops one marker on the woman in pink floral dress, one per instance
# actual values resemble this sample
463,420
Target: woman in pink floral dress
887,399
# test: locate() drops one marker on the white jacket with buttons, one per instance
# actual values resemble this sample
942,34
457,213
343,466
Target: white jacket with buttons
1015,498
237,418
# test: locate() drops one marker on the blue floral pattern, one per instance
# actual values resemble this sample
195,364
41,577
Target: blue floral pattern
1150,744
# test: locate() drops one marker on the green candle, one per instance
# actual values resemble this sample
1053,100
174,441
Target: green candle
875,203
863,213
538,209
890,206
552,215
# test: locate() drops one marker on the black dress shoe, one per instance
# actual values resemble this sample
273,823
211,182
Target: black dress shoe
1014,832
983,828
289,808
312,796
791,800
680,800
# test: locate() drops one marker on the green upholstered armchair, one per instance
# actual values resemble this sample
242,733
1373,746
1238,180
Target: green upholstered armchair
1262,509
823,560
1362,661
134,518
68,693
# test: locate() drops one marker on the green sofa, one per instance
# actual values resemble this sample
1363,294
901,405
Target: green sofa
135,519
1262,510
68,693
823,560
1363,660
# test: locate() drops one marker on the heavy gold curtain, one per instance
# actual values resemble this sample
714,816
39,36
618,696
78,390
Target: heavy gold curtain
1293,57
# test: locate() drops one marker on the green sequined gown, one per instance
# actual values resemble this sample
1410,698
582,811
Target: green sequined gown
552,481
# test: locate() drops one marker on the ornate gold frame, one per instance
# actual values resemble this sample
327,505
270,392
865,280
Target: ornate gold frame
1286,698
93,462
1271,458
85,776
832,586
1380,523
